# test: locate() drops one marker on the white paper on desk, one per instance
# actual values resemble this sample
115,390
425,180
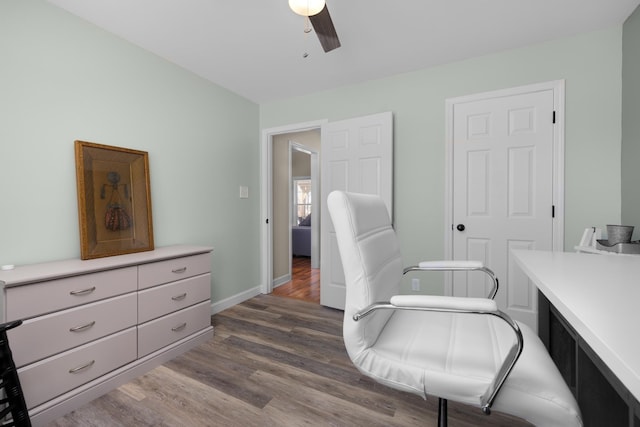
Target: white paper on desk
597,235
587,237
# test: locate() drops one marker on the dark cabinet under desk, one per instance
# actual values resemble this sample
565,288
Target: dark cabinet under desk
603,399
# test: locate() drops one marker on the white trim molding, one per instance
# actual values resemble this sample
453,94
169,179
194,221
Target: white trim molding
266,210
221,305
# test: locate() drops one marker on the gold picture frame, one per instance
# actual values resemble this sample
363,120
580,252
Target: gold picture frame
114,200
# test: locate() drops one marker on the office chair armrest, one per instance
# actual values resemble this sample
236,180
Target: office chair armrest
453,265
478,306
431,303
446,303
450,265
507,365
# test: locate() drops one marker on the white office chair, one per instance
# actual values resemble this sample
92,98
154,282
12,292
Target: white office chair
460,349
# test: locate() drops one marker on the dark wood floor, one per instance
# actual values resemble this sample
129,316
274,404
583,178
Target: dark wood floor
273,361
304,283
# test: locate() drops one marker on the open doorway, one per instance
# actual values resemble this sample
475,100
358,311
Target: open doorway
304,197
363,146
291,245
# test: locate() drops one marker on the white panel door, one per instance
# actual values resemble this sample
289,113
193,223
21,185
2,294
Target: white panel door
503,193
356,157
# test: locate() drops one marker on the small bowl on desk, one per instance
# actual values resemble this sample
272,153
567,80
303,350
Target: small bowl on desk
619,234
619,248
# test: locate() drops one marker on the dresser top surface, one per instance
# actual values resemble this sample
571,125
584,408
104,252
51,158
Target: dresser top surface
25,274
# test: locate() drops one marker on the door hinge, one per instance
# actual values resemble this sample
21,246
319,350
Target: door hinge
553,211
554,117
267,221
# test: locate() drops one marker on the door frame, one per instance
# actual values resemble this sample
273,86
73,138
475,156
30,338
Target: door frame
266,196
558,88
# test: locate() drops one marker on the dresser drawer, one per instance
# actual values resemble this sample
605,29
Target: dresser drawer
161,272
33,300
56,375
160,300
165,330
43,336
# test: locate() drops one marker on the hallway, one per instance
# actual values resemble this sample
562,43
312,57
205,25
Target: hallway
304,284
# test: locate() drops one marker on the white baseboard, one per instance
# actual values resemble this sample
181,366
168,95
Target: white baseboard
218,306
281,280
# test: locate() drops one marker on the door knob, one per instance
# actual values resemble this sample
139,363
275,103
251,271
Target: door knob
460,227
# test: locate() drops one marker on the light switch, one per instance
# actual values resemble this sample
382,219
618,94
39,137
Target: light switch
244,192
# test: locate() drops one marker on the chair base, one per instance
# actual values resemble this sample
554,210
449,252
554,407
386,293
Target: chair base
442,412
13,400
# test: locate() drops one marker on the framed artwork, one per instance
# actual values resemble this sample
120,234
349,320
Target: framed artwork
114,200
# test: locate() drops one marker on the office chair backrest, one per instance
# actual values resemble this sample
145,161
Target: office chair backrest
371,262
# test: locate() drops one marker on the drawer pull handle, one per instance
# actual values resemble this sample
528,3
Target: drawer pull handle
179,270
179,297
83,327
80,368
83,291
179,328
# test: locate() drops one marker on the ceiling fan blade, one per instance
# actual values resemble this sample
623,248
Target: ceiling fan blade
323,26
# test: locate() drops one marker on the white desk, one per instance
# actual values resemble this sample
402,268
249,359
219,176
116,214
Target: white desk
599,296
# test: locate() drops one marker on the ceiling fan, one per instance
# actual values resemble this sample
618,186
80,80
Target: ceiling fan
318,13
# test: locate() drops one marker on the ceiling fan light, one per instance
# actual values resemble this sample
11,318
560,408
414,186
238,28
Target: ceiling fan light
306,7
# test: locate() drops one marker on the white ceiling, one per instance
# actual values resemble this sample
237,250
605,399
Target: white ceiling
255,47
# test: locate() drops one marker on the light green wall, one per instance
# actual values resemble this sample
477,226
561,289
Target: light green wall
62,79
590,64
631,123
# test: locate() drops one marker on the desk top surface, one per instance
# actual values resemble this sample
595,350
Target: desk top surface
599,295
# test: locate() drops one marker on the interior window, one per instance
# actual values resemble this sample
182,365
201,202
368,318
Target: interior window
301,199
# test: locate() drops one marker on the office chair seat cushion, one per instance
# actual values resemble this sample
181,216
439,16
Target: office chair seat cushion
456,357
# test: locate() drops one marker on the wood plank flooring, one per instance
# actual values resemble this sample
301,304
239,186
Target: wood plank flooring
304,283
273,361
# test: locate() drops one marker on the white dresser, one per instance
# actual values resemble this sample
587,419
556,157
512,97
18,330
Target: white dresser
91,326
